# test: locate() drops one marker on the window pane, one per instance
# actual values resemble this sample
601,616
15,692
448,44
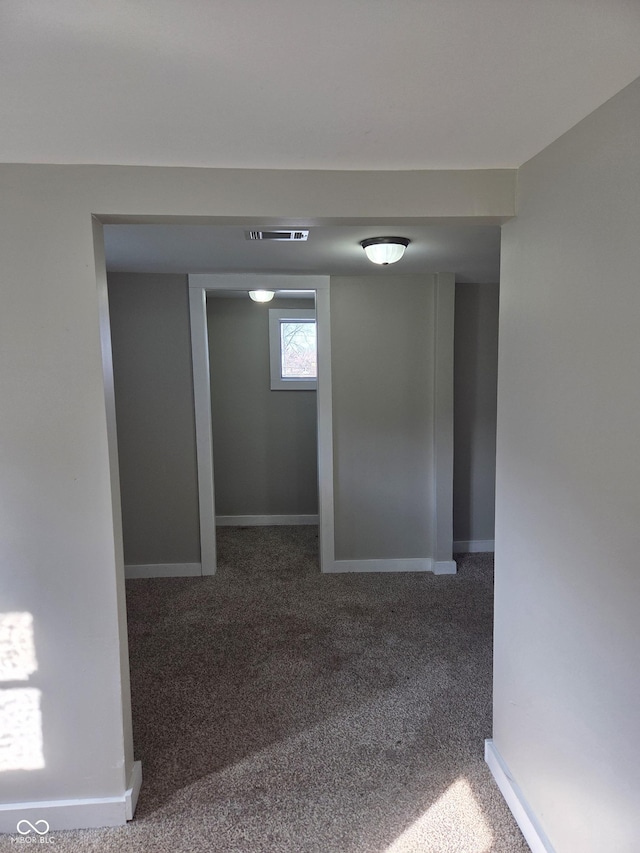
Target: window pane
298,347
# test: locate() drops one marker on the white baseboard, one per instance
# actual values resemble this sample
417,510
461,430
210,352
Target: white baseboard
525,818
65,814
445,567
74,814
133,791
473,546
409,564
163,570
263,520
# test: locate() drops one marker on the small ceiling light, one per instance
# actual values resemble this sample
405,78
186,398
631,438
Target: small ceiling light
385,250
262,295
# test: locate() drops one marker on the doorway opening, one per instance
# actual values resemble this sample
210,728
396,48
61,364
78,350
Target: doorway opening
199,287
255,449
263,372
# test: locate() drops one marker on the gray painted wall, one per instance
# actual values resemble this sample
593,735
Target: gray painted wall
382,355
567,633
264,442
155,418
261,434
59,556
475,389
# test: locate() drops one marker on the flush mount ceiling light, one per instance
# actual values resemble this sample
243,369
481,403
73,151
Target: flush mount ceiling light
262,295
385,250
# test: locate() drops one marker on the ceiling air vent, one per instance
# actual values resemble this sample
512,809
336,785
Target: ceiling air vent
288,236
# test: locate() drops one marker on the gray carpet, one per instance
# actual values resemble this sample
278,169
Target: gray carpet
277,710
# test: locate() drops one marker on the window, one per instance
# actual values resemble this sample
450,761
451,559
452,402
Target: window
292,349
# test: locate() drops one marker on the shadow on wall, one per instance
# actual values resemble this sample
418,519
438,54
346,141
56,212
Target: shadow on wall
475,403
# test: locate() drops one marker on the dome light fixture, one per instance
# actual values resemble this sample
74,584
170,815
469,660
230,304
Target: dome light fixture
262,295
385,250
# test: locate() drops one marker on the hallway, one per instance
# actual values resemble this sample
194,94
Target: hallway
277,710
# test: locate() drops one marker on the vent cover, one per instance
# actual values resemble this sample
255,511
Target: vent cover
287,236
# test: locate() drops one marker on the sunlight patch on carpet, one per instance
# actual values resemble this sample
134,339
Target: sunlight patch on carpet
453,823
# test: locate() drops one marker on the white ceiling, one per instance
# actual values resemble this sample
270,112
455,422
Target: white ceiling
302,84
471,251
337,84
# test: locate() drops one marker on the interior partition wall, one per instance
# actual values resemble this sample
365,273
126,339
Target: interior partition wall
62,564
408,376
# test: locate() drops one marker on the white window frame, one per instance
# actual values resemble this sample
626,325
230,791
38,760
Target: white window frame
276,316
